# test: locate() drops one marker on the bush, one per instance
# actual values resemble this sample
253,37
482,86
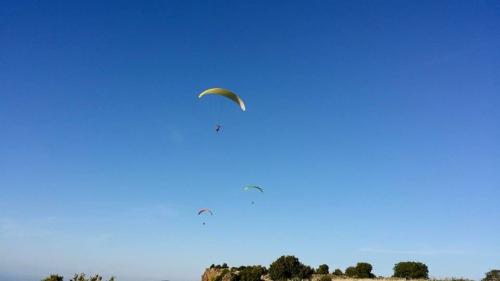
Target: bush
222,274
351,272
323,269
492,275
337,272
361,270
325,278
305,272
234,277
252,273
53,277
364,270
288,267
76,277
411,270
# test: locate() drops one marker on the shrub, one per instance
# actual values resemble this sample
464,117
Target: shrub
234,277
361,270
288,267
492,275
364,270
76,277
305,272
351,272
53,277
323,269
337,272
252,273
222,274
411,270
325,278
218,266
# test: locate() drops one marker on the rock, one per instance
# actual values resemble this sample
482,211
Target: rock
211,274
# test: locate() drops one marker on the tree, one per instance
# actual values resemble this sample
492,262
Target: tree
492,275
54,277
361,270
338,272
351,272
252,273
323,269
76,277
411,270
305,272
364,270
288,267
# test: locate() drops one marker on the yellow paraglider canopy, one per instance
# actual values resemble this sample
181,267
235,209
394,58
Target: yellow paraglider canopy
225,93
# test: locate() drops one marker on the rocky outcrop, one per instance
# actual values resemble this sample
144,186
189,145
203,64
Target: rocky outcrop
212,274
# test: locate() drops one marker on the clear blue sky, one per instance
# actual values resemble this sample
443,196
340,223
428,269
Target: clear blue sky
374,127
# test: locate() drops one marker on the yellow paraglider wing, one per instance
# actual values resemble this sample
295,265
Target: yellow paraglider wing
225,93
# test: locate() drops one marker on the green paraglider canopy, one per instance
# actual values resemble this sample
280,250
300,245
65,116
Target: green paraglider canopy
225,93
253,187
201,211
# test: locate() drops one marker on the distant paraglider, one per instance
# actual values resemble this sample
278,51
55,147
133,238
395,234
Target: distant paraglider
201,211
218,128
253,187
205,211
227,94
224,93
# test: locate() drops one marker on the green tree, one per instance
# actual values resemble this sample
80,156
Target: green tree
364,270
323,269
337,272
411,270
288,267
305,272
492,275
76,277
54,277
351,272
361,270
252,273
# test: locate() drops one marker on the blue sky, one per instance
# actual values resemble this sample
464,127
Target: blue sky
374,127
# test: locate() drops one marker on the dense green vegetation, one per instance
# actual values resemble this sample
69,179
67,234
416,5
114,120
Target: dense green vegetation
325,277
76,277
337,272
54,277
218,266
492,275
411,270
252,273
323,269
290,268
361,270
